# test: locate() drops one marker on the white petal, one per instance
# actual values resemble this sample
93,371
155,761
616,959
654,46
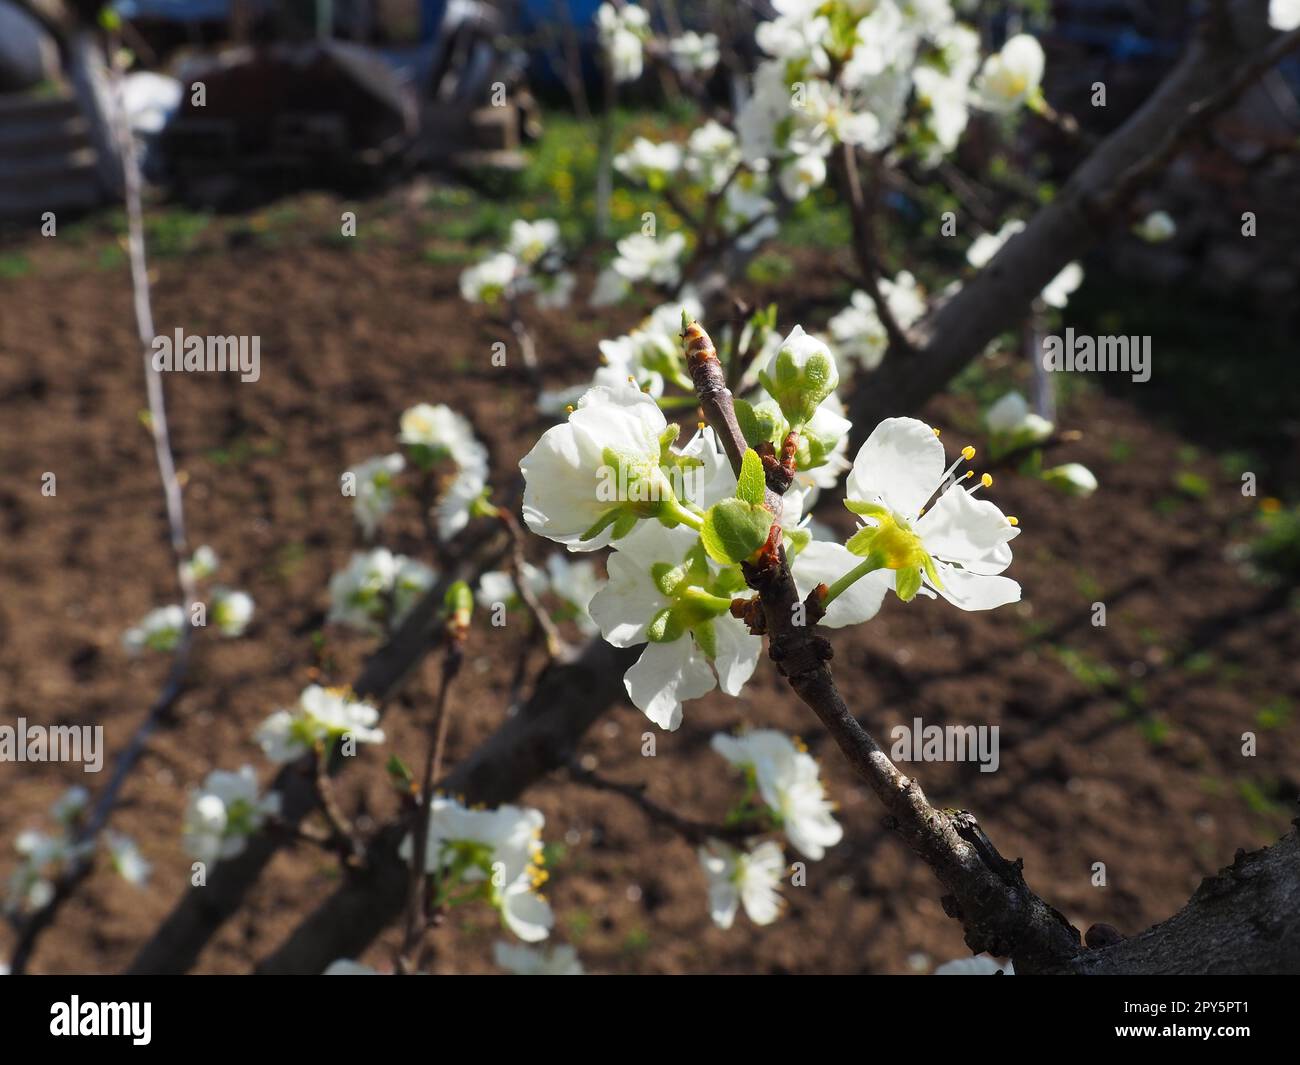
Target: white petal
665,676
977,591
738,653
961,528
900,465
821,562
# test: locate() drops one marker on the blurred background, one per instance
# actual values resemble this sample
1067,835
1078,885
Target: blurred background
437,123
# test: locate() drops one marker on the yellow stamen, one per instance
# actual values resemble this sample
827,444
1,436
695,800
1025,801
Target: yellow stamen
936,432
986,479
967,475
1013,521
968,452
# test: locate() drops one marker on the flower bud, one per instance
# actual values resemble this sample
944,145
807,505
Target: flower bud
800,376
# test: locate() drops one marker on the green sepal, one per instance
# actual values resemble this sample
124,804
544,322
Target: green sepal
907,582
860,542
667,577
760,423
706,638
867,510
665,627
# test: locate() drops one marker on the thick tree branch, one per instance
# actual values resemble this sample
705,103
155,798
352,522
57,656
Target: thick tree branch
538,740
1212,74
175,945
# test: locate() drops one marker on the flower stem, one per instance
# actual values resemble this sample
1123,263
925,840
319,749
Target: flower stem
674,509
869,564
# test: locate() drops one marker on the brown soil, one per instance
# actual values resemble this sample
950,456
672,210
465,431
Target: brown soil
1139,767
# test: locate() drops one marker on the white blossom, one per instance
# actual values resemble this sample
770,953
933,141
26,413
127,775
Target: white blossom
645,258
321,715
232,610
694,53
127,859
1011,77
500,849
737,878
789,781
376,491
957,548
377,589
1156,227
664,590
1284,14
561,960
530,242
160,630
489,280
223,813
648,162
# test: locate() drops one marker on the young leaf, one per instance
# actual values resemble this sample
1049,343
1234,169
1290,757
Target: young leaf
734,530
751,483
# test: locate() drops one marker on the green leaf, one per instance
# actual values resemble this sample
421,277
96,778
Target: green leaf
400,774
751,484
759,423
734,530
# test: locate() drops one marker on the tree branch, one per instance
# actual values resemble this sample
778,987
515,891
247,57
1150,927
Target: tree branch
986,893
539,739
1211,75
175,944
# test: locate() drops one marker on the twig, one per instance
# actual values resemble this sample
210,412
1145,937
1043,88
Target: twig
986,893
81,867
866,248
557,646
417,915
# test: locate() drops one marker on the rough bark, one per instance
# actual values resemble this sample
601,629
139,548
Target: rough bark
1245,919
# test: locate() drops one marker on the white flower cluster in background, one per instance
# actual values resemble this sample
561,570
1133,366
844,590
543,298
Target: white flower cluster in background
43,856
496,854
787,779
376,590
223,813
573,583
531,263
230,611
322,716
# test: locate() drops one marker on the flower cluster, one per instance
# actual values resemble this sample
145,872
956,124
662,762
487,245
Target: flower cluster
681,523
573,583
787,781
495,855
532,262
322,716
230,610
223,813
1015,429
377,589
45,856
